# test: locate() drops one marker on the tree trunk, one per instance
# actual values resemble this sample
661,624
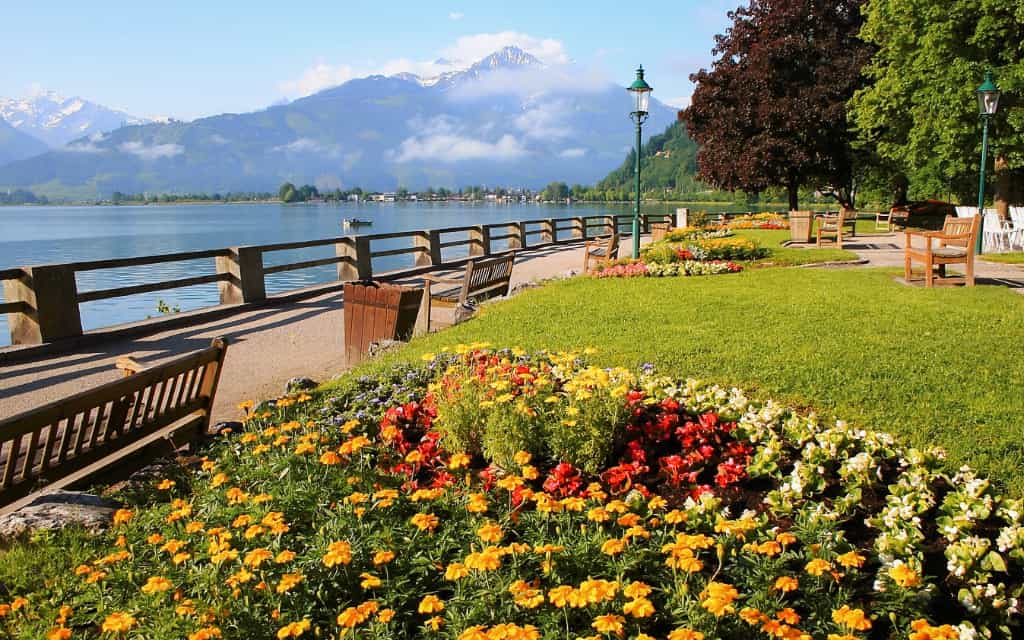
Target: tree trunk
793,189
899,185
1004,187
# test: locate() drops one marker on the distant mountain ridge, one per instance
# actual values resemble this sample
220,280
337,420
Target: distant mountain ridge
507,119
15,145
56,120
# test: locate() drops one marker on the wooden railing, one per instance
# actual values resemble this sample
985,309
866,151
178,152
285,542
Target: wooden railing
42,302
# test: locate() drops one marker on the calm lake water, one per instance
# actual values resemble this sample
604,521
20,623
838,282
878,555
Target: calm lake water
41,235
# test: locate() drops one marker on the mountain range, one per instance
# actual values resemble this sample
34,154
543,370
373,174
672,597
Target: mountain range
507,119
56,120
15,145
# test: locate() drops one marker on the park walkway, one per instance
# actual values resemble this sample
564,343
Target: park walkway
268,346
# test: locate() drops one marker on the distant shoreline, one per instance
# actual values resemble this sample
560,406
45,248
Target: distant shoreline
781,206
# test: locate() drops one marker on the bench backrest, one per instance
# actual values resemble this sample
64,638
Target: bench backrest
968,227
55,440
487,278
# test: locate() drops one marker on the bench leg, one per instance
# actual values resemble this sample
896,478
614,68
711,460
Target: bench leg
423,319
970,273
906,268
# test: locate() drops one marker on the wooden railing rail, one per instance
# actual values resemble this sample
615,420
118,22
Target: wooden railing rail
42,302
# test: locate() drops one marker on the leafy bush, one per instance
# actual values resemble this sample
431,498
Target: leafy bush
727,249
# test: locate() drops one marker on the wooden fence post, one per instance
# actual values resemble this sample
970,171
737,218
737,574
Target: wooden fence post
429,245
357,264
579,228
49,305
518,233
244,266
610,225
547,231
480,241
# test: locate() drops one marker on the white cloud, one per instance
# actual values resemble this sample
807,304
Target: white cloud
450,148
533,81
218,139
575,152
456,15
319,76
444,139
681,102
545,120
469,49
152,152
463,52
83,147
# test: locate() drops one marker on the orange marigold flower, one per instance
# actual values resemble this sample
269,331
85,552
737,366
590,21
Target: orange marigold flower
456,571
118,623
293,629
330,458
613,547
788,615
685,634
904,576
854,619
425,521
122,516
639,608
165,484
60,633
156,584
609,623
288,582
430,604
382,557
206,633
785,584
817,567
370,581
338,553
490,532
851,560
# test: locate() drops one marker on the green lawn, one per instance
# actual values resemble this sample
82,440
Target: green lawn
1017,257
935,366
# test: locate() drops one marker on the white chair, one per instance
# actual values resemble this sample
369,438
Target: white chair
1017,220
997,232
966,212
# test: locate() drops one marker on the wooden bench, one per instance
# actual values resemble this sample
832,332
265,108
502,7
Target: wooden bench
956,244
832,224
70,440
482,279
600,250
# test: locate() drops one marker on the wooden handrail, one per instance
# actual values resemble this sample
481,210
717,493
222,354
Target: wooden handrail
119,292
11,274
308,264
118,263
398,252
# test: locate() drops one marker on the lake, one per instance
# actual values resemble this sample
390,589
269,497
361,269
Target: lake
40,235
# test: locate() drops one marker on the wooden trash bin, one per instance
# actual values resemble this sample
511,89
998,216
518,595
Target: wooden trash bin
801,223
377,311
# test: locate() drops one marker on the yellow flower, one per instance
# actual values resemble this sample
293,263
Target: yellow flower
206,633
156,584
685,634
430,604
785,584
854,619
613,547
609,623
718,598
293,629
427,357
288,581
490,532
818,566
383,557
370,581
487,560
330,458
165,485
256,557
338,553
788,615
118,623
284,557
637,590
435,623
456,571
638,608
904,576
851,560
122,516
459,461
752,616
522,457
477,503
60,633
425,521
385,616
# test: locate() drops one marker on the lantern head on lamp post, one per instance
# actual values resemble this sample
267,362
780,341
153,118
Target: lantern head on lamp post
641,97
988,104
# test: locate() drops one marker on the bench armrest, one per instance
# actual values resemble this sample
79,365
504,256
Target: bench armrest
128,365
438,280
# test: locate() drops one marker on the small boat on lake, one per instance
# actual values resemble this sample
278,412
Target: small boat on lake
356,222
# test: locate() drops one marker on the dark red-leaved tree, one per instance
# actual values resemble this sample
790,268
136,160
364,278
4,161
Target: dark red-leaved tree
772,109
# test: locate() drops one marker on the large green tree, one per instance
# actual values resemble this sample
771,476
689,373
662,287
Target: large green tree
920,112
772,109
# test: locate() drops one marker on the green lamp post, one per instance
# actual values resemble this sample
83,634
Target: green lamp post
641,95
988,104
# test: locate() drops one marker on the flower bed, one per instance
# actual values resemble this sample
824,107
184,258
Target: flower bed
494,494
756,221
640,269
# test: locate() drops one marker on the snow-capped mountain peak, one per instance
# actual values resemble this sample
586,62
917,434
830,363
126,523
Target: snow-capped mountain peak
56,120
509,57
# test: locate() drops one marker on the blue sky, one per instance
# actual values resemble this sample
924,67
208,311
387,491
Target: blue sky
188,59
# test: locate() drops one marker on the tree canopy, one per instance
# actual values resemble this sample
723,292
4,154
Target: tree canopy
772,110
920,112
